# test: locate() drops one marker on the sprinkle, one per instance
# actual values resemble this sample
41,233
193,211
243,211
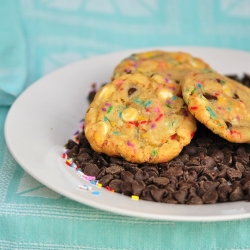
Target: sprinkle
99,185
193,108
192,134
109,109
157,110
148,103
105,119
86,177
173,137
120,114
130,144
109,189
107,104
85,187
93,182
135,197
116,133
73,165
154,152
96,193
68,162
159,117
153,125
64,156
104,109
174,97
76,133
210,111
199,85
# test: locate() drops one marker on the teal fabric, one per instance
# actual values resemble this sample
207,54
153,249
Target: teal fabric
39,36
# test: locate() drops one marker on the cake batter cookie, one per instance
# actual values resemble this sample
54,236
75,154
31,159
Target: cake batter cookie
140,118
220,103
171,65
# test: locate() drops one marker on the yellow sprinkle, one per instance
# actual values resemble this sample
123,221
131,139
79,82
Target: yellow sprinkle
135,197
99,185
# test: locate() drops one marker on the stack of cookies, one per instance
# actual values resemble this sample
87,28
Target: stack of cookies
148,112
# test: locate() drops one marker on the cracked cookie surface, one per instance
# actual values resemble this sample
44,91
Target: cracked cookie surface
220,103
171,65
142,119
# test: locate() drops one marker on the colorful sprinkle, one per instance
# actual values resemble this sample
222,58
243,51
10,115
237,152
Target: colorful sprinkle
159,117
130,144
135,197
154,152
109,109
85,187
193,108
210,111
99,185
96,193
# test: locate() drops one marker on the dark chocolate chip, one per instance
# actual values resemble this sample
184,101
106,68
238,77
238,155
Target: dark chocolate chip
114,169
233,174
126,188
116,185
131,91
70,144
127,176
91,169
210,196
159,194
224,191
161,181
229,125
105,180
180,195
235,96
137,188
210,97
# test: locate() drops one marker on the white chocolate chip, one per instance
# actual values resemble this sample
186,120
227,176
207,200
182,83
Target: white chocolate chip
165,94
129,114
101,129
106,91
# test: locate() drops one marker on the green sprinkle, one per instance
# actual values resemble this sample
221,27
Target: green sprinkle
168,106
105,119
174,97
116,133
210,111
109,109
223,82
154,152
120,114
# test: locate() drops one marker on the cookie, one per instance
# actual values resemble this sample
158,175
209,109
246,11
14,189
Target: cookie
140,118
171,65
220,103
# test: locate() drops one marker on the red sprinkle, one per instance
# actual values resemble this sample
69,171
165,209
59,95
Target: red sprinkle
194,108
136,123
192,134
173,137
159,117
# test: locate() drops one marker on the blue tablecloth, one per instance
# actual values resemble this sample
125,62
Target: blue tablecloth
39,36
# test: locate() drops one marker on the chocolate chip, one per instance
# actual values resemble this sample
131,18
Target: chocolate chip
116,185
105,180
224,191
161,181
159,194
237,192
235,96
70,144
210,196
126,188
114,169
141,175
233,174
131,91
127,176
229,125
91,169
204,142
180,195
210,97
193,198
73,152
137,188
217,155
208,162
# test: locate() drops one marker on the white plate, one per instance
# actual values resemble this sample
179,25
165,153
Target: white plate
47,114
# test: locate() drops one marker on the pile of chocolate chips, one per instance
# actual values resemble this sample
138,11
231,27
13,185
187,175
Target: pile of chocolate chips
208,170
